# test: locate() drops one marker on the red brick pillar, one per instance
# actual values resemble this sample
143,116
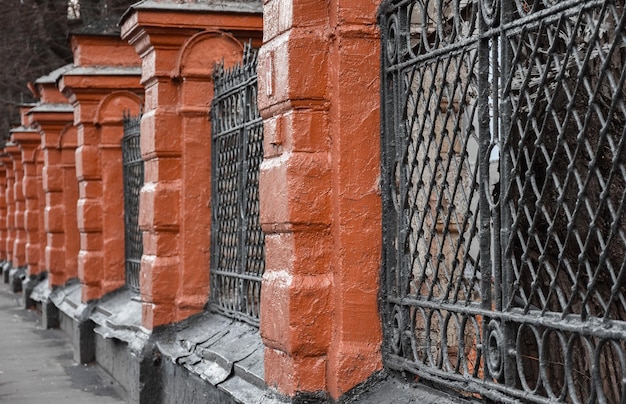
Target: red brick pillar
179,49
103,85
19,241
3,214
7,163
29,141
354,353
71,241
41,230
7,242
320,204
60,187
53,116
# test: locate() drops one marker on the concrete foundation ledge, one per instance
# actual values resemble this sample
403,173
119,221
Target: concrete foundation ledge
49,311
122,345
67,299
224,356
16,277
118,316
384,388
28,287
207,358
74,320
5,267
41,291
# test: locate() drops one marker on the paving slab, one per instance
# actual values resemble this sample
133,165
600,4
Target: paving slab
37,366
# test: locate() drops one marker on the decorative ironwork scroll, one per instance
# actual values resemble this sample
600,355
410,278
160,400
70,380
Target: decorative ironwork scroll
237,241
133,181
504,191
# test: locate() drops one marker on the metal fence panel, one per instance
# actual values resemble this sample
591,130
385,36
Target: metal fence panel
504,184
133,181
237,241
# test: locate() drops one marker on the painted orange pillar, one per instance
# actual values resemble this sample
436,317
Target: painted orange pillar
179,49
29,141
354,352
7,163
103,84
19,241
54,118
320,203
3,214
41,208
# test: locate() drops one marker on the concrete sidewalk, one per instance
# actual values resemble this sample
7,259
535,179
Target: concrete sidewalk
37,366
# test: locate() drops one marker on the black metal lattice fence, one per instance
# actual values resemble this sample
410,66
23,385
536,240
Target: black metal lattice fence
237,241
504,186
133,181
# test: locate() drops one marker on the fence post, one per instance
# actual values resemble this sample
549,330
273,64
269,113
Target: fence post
100,94
29,140
54,117
320,206
176,138
9,221
18,246
3,213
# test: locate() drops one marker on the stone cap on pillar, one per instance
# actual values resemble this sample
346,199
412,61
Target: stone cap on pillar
50,114
172,21
227,6
99,80
9,148
53,107
26,135
102,48
106,73
46,86
5,158
53,76
103,62
103,78
53,113
26,138
58,108
13,149
23,109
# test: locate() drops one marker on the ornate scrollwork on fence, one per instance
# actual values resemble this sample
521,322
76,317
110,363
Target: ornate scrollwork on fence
504,186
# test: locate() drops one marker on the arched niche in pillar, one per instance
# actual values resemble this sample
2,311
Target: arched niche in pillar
67,137
112,107
195,64
110,114
36,157
198,56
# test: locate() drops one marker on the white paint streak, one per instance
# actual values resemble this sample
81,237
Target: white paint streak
281,278
275,162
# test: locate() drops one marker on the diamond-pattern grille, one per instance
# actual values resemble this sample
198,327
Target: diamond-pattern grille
237,257
133,181
504,185
566,145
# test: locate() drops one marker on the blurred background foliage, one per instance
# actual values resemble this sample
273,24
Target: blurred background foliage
34,40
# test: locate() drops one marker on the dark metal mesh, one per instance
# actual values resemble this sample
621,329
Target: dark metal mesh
237,251
133,181
504,191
